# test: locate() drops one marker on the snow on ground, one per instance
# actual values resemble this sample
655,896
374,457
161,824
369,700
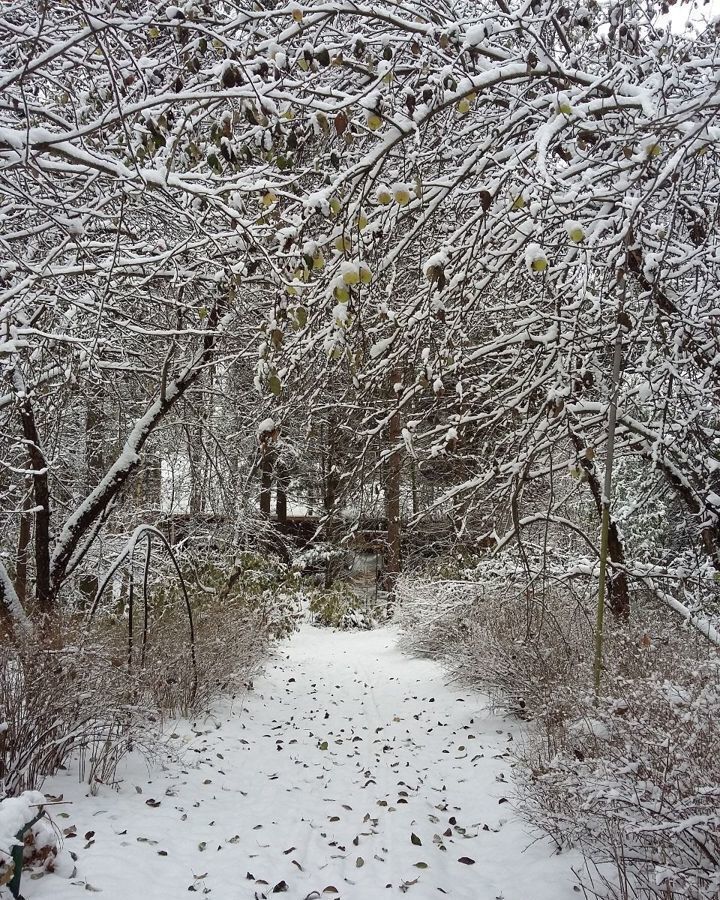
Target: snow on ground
351,772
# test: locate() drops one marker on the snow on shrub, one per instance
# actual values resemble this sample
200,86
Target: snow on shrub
633,779
24,823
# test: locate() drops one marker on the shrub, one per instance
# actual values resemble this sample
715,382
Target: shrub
56,702
87,694
232,637
632,778
238,605
321,560
340,607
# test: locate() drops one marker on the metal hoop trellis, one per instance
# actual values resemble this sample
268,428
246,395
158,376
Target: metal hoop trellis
128,553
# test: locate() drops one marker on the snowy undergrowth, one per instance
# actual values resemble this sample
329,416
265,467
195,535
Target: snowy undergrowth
349,772
633,779
76,696
85,694
60,701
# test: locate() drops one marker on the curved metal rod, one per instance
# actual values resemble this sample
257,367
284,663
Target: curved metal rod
129,551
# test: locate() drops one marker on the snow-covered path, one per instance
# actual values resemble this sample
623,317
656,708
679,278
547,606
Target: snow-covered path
351,771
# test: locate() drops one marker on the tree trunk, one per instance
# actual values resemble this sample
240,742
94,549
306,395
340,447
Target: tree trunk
330,477
41,494
618,591
393,479
196,466
80,524
152,483
95,427
266,469
414,487
281,488
22,557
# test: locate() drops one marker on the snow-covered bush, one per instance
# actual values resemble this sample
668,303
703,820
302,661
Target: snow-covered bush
18,815
434,616
56,702
341,607
258,590
103,688
320,559
239,605
25,824
632,778
230,643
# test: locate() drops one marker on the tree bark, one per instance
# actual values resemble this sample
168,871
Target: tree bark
79,524
22,556
618,591
95,424
393,479
414,487
196,465
41,494
266,469
330,477
152,482
281,488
